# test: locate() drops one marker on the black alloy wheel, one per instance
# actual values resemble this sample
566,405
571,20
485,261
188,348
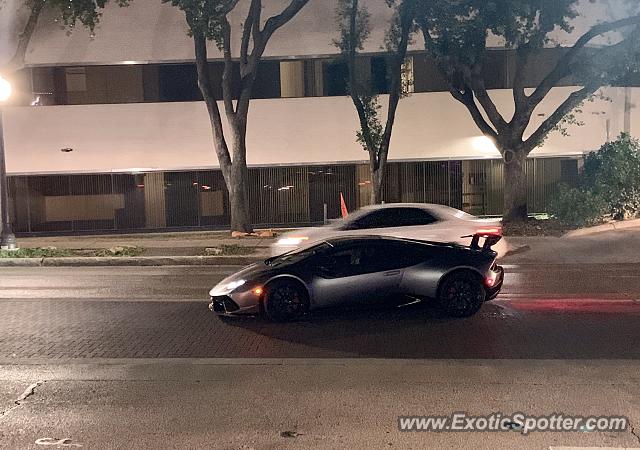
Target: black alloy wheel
461,295
285,301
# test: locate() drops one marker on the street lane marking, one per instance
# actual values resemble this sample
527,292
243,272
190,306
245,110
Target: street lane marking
66,442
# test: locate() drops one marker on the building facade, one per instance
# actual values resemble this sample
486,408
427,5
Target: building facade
109,133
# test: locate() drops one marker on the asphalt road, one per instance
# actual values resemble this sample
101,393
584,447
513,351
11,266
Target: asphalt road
579,312
121,358
353,404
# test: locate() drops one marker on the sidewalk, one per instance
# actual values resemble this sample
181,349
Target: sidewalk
155,244
158,249
606,247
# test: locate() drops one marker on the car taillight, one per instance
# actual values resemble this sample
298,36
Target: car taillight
489,231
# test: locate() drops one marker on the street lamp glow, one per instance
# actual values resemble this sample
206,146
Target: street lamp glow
5,90
484,144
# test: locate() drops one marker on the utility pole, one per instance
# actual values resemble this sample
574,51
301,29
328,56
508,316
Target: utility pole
7,238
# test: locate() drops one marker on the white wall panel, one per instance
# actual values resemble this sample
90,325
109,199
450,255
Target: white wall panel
149,30
156,136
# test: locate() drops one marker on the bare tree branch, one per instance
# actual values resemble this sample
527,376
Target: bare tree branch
466,96
552,121
206,88
229,7
407,16
561,69
467,99
17,61
227,74
523,54
275,22
475,79
354,87
254,10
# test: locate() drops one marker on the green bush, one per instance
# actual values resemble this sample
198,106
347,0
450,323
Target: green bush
578,208
613,173
609,187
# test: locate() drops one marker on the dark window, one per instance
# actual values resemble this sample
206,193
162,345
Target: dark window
409,217
366,257
413,254
426,75
394,217
383,218
388,255
267,84
349,261
379,75
336,74
178,83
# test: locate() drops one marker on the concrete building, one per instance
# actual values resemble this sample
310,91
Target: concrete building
109,133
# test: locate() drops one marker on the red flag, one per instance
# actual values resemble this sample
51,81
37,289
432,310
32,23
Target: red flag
343,207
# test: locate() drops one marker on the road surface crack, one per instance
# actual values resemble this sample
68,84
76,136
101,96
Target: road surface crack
28,392
634,432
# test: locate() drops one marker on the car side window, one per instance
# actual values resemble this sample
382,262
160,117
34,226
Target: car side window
352,260
394,217
414,254
370,257
409,217
393,255
383,218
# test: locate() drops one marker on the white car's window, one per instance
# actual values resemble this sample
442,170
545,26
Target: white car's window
382,218
408,217
394,217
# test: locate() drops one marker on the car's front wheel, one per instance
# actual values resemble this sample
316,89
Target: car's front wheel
285,300
461,295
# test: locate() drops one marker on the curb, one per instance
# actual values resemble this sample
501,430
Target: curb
613,226
135,261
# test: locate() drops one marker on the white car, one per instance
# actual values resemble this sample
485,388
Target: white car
421,221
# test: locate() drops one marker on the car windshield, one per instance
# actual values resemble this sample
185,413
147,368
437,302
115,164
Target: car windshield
297,255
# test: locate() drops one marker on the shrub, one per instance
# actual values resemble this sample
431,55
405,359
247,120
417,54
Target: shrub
577,207
609,187
613,173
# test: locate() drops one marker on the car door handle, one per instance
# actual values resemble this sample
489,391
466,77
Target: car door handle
392,273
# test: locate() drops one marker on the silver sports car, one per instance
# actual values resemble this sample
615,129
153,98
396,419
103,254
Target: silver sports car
364,269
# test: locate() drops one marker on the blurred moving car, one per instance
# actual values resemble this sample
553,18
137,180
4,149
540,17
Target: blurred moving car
422,221
366,270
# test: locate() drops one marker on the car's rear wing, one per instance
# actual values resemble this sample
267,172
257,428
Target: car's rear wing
491,238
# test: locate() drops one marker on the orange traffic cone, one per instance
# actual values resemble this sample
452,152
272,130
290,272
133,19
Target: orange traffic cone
343,207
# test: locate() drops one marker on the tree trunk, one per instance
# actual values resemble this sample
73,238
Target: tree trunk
236,185
515,186
377,180
239,180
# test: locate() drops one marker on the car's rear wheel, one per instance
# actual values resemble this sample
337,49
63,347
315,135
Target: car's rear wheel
461,295
285,300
